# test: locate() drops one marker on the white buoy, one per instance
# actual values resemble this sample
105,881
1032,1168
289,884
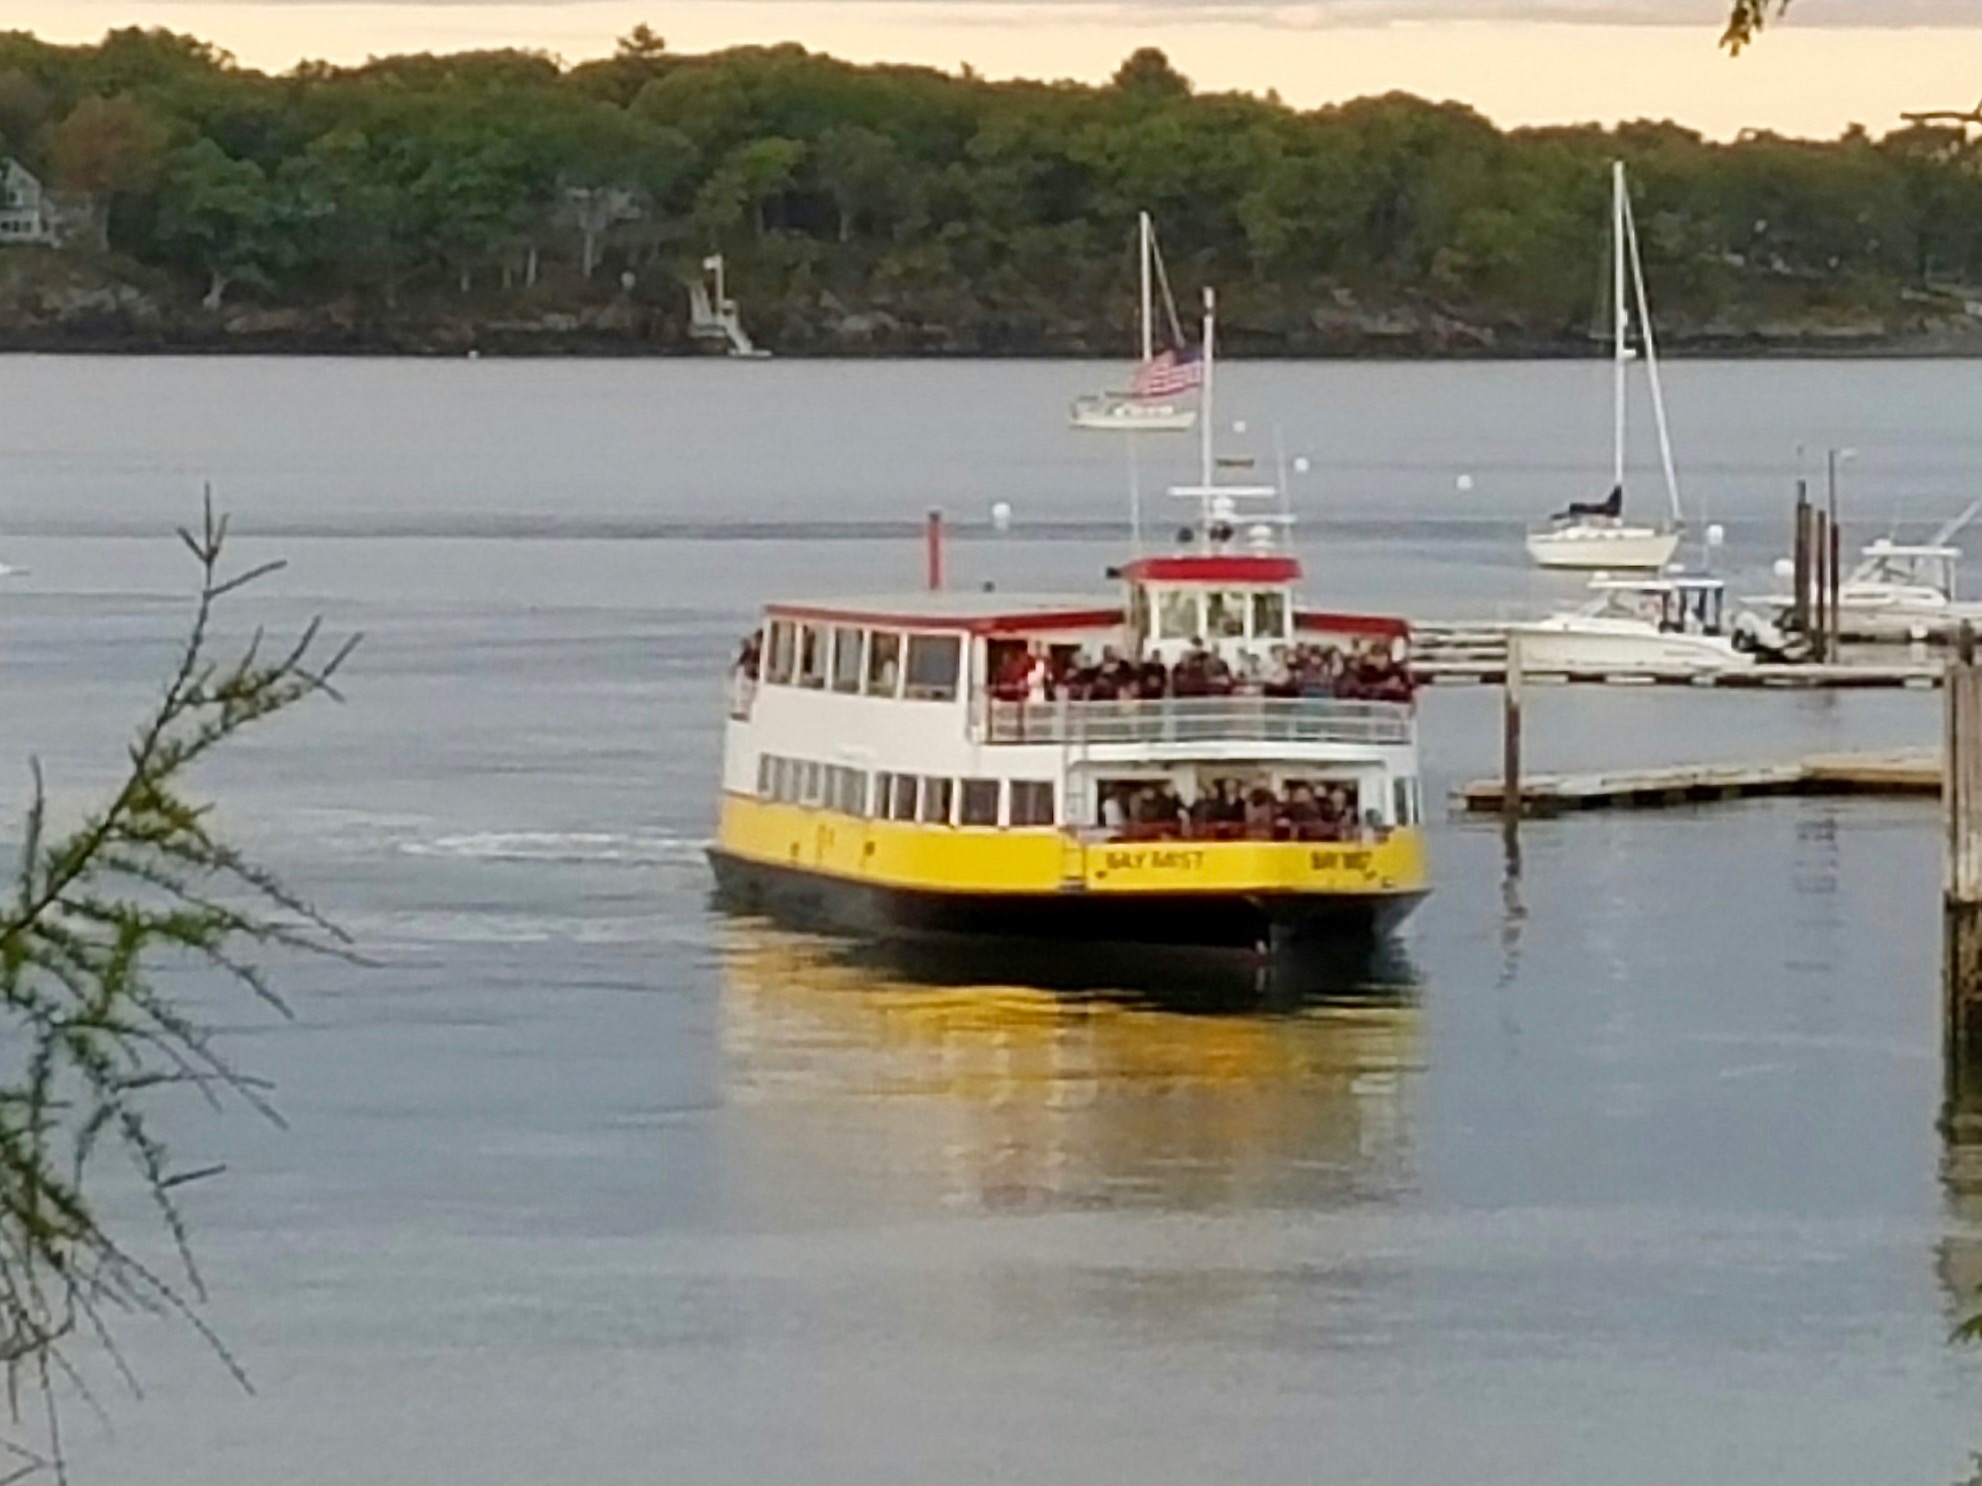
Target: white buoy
1785,568
1465,483
1001,516
1716,535
1301,465
1239,425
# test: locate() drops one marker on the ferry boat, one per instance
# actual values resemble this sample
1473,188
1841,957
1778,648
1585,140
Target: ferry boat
937,763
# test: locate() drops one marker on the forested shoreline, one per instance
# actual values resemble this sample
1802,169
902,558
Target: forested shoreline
506,202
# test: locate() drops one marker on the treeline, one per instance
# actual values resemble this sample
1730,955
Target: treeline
904,208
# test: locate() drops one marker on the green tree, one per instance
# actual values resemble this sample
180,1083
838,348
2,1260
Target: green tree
745,183
221,214
103,149
1147,73
862,171
96,1043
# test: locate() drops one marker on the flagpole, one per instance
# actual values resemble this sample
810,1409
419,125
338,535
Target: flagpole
1135,498
1142,259
1210,334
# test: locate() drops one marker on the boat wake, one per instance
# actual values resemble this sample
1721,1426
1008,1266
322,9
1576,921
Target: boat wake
576,848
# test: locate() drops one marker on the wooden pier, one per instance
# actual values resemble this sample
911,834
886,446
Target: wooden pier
1843,676
1905,772
1476,653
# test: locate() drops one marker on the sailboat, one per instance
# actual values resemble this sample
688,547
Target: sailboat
1595,535
1151,405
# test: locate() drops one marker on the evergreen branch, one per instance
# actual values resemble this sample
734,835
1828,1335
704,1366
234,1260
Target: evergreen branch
145,878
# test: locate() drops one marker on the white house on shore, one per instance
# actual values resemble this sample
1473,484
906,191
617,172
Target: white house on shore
24,211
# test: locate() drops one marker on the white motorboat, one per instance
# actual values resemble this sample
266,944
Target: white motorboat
1595,535
1154,402
1648,626
1900,591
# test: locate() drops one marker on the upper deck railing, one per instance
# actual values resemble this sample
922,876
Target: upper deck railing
1234,719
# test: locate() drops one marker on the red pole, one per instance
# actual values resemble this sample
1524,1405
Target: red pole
935,551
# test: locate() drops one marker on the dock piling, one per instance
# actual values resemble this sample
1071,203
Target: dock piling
1510,753
1961,795
1800,591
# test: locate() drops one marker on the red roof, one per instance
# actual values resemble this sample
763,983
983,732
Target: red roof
1351,624
1015,622
1226,568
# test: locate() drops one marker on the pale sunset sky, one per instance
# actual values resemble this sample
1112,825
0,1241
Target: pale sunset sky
1831,63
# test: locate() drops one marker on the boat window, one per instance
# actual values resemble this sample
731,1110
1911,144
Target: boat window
811,655
902,806
1401,802
856,792
1224,615
1270,615
1032,802
1176,612
779,663
933,663
846,660
936,797
780,779
884,663
1138,616
763,776
980,803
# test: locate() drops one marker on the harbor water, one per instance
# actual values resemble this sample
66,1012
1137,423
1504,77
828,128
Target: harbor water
1624,1166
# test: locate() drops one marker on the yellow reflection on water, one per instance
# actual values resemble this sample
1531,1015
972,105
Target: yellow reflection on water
853,1084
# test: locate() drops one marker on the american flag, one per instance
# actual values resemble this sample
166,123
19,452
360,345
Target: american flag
1168,373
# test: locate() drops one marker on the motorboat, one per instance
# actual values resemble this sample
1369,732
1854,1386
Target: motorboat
1637,626
1595,535
1900,591
1154,401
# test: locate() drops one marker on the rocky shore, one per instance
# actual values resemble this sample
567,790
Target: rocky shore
57,303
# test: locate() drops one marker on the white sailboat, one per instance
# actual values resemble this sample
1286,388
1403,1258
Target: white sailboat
1596,535
1153,403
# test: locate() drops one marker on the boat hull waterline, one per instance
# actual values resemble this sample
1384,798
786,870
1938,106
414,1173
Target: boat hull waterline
1590,645
1603,548
1125,416
814,901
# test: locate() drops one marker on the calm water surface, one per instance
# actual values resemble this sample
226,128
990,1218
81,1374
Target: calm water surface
1626,1169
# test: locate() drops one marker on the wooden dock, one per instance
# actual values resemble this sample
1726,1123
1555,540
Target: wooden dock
1904,772
1476,653
1845,676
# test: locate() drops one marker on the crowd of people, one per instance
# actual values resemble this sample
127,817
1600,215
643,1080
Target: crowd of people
1362,672
1229,812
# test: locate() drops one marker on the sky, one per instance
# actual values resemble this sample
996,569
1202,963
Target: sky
1830,64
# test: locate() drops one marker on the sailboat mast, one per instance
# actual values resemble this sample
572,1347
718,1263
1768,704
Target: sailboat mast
1207,418
1142,258
1652,365
1620,324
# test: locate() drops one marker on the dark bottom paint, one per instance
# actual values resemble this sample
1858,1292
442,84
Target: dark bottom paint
1266,922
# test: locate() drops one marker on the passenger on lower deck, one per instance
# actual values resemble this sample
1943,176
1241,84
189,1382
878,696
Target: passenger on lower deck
1225,810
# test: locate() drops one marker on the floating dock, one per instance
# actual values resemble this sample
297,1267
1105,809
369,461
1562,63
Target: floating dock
1845,676
1476,653
1903,772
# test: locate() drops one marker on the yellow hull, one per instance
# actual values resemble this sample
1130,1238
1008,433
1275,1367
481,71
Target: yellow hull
958,860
